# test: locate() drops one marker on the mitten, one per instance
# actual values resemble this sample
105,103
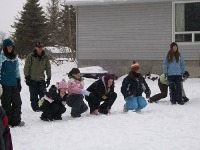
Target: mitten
48,82
85,92
28,80
19,84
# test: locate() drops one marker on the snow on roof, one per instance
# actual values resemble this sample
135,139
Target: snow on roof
106,2
56,49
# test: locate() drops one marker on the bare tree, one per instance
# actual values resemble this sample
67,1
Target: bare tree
2,35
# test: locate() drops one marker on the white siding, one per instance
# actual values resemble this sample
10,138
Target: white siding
124,32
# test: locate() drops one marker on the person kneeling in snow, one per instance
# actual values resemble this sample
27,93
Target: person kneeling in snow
101,90
76,91
163,84
54,103
132,88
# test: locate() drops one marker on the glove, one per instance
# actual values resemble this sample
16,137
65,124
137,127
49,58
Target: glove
19,84
85,92
48,82
166,76
148,93
28,80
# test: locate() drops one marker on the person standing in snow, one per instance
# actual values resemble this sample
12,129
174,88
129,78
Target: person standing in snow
174,68
36,64
54,102
75,93
11,84
132,88
163,86
101,90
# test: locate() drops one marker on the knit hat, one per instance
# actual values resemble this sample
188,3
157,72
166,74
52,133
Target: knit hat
7,42
135,66
62,84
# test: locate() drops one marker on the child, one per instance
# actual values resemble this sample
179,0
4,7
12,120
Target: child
54,103
76,92
132,88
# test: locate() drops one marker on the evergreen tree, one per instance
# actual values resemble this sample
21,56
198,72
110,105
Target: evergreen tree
30,28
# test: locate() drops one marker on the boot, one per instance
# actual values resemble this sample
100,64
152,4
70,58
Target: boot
185,99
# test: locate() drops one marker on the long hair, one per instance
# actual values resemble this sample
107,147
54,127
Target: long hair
171,54
11,55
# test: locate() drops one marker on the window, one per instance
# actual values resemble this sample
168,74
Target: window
187,22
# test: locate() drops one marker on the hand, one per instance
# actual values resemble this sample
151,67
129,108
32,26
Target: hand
28,80
85,92
19,84
48,82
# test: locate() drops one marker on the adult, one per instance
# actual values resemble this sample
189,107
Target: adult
36,64
101,90
174,68
163,85
11,84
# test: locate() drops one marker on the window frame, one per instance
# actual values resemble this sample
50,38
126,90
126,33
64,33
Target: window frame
183,32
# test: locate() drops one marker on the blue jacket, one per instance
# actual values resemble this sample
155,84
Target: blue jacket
174,68
9,70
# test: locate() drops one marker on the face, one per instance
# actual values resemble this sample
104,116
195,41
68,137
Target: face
110,82
174,48
9,49
39,50
63,90
78,75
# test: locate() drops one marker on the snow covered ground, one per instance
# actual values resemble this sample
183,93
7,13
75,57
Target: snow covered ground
160,126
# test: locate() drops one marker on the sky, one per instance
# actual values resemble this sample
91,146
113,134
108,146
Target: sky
9,9
160,126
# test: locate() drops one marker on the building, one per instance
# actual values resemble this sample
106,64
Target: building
112,33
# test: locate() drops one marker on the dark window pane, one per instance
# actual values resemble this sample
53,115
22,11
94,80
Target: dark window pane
197,37
192,16
183,37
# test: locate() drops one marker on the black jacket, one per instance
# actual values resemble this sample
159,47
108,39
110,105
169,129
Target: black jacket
99,89
134,86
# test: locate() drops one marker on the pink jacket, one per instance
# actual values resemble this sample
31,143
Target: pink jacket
74,86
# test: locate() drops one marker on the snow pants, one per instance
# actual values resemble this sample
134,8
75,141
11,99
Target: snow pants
75,101
164,91
94,102
135,103
11,103
36,88
53,109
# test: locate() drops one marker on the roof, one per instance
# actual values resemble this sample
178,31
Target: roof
107,2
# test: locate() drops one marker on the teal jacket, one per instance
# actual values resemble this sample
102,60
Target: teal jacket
9,70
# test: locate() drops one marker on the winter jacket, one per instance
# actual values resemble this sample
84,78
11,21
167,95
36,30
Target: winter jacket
35,66
99,89
174,68
132,86
5,135
53,96
9,70
74,86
